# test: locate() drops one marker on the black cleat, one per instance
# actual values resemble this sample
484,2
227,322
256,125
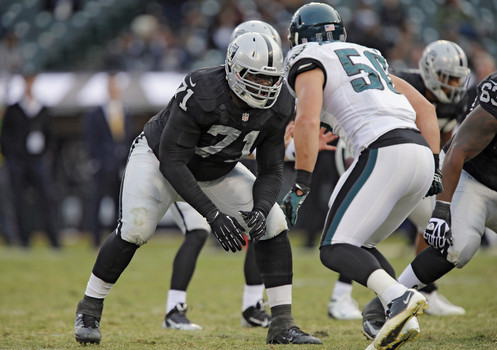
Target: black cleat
256,316
370,328
87,329
294,335
176,319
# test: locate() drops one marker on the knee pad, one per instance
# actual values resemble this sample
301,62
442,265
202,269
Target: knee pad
276,223
460,257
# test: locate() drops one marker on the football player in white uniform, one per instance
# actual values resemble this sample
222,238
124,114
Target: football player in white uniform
442,78
190,151
393,134
468,203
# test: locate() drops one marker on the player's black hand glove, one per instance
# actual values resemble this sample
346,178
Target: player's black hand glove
256,220
438,233
436,185
227,230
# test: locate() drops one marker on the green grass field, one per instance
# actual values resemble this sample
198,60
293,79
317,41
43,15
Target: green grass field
39,290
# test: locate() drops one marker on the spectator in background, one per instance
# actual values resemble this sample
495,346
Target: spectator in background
7,215
24,140
483,65
396,31
453,21
365,28
62,9
108,136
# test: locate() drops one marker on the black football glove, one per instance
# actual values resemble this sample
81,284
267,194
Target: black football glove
256,220
436,185
227,230
438,233
292,202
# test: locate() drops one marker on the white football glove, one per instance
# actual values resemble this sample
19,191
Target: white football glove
437,232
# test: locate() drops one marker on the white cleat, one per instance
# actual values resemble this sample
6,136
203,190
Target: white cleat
438,305
344,307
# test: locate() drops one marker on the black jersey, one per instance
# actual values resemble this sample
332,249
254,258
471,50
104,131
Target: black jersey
483,167
447,113
203,133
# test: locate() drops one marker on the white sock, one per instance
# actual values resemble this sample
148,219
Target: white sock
97,288
174,297
281,295
385,286
409,279
341,288
251,295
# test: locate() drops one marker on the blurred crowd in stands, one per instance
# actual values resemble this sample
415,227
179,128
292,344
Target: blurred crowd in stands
178,35
182,35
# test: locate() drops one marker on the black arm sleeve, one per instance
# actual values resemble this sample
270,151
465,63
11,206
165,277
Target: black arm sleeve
304,65
267,186
177,147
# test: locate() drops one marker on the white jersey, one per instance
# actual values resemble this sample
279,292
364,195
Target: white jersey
360,101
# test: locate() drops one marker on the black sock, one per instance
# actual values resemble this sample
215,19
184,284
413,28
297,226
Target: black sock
274,260
430,265
113,258
352,261
90,306
251,271
186,259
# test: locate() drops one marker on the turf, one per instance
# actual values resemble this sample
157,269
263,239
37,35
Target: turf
39,290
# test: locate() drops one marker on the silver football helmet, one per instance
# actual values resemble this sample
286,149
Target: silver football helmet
444,69
256,26
254,69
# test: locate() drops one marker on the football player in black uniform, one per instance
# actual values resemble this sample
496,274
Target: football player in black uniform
190,151
468,202
442,78
196,230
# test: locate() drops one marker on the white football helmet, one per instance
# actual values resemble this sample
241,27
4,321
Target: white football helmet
443,61
254,69
256,26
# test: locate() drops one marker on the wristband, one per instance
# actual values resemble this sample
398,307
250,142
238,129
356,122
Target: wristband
303,177
436,157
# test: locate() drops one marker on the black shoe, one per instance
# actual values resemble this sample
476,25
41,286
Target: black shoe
370,328
176,319
294,335
87,329
373,318
256,316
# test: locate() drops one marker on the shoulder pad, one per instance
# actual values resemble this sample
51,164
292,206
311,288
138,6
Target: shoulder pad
203,90
487,94
285,104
